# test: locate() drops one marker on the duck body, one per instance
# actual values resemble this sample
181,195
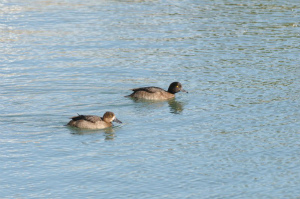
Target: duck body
93,121
151,93
156,93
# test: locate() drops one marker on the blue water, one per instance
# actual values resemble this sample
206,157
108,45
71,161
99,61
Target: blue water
234,135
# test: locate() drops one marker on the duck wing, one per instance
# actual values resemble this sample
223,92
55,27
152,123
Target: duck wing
148,89
90,118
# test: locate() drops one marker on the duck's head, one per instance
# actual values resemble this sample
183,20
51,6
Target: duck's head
110,117
176,87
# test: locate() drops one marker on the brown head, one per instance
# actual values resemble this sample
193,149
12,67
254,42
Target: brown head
176,87
110,117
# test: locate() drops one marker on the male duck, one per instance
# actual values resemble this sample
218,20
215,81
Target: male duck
156,93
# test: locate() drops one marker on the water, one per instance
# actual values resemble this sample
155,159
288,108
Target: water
234,135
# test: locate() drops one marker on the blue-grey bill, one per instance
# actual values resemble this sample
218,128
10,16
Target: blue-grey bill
116,120
182,90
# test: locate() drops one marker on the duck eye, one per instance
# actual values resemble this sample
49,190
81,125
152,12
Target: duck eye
177,86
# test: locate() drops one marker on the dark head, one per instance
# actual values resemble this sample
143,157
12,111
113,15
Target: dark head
110,117
175,87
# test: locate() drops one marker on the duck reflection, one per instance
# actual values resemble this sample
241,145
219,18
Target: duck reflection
176,107
109,133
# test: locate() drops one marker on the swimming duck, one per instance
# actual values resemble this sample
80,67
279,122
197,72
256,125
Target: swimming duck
156,93
93,121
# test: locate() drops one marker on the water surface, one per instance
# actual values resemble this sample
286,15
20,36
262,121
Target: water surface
234,135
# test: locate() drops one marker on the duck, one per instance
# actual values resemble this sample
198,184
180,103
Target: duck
156,93
93,121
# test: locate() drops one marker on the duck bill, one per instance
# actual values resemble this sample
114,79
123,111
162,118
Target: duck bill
116,120
182,90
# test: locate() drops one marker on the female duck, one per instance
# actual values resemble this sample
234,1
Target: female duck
93,121
155,93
